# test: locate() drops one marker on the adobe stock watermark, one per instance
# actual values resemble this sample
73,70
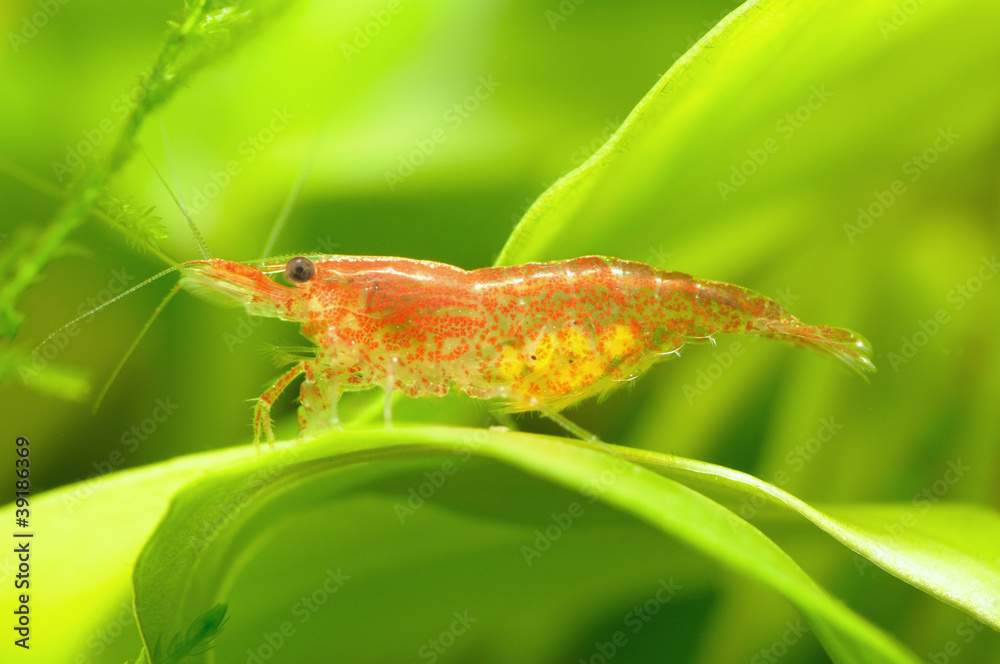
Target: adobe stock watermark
707,25
93,138
249,149
957,297
163,408
365,33
141,432
303,610
795,460
544,537
104,637
221,518
562,12
723,360
786,127
434,647
794,631
526,205
585,151
576,159
7,568
453,118
923,501
33,23
913,169
561,522
638,617
417,496
965,632
41,357
900,15
659,258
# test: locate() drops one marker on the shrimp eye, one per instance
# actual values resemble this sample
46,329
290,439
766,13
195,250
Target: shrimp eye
300,270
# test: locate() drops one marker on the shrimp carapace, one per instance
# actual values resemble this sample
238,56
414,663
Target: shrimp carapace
539,336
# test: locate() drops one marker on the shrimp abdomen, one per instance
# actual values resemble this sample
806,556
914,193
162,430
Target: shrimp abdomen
711,307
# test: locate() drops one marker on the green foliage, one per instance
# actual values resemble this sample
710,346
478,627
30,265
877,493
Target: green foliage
141,227
57,381
195,641
840,157
204,31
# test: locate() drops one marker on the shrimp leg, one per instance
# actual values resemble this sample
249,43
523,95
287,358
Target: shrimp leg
318,399
564,422
262,407
390,382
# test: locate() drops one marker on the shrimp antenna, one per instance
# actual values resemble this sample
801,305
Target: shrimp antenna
279,223
46,188
293,195
105,304
135,343
202,247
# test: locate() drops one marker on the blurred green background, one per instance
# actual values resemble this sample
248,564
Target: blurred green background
915,103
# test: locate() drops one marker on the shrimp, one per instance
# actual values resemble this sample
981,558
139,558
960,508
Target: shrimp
533,337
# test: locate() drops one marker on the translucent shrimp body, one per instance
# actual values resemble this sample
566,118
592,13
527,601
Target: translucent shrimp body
539,336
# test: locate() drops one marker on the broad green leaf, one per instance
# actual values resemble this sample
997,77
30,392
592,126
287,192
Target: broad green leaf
950,551
764,128
86,539
214,527
239,500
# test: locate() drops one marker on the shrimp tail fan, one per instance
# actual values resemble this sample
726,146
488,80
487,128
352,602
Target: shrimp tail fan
845,345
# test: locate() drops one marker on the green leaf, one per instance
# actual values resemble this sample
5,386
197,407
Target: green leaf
950,551
215,527
236,504
763,129
100,525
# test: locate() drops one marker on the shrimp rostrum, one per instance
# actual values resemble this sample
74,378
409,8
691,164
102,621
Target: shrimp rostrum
534,337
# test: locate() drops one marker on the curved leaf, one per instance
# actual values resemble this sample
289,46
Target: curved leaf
211,527
764,133
102,523
950,551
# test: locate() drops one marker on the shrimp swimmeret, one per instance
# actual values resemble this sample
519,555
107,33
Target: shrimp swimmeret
539,336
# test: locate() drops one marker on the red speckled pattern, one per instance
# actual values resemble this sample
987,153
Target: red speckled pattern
535,336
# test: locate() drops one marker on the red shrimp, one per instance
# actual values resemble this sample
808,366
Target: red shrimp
535,337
